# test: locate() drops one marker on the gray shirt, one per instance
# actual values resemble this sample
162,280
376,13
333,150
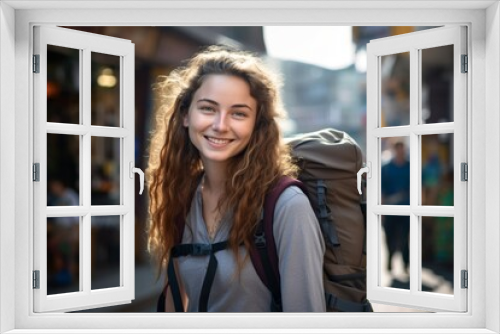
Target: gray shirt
300,249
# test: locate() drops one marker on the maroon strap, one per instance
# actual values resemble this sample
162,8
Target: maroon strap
269,205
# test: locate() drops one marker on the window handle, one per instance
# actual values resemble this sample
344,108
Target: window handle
366,169
133,170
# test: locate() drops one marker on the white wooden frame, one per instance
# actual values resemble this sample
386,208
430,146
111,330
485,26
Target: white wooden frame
413,43
124,132
483,19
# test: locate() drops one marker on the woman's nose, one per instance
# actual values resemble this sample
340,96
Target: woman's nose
220,122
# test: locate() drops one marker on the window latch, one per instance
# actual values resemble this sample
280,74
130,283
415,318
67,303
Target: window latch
133,170
367,168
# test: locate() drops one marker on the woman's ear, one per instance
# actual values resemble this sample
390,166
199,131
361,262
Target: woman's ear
185,121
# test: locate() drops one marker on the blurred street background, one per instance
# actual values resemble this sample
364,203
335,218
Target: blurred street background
324,75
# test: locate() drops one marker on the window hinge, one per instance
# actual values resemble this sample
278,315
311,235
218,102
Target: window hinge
465,64
465,279
36,63
36,172
36,279
464,171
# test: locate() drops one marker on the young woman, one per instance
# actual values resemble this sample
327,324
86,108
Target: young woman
215,153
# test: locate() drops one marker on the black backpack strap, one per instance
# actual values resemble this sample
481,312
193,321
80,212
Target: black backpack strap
325,216
160,304
195,250
263,253
326,222
171,276
174,286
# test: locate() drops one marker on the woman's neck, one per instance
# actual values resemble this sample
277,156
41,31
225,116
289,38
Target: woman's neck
214,179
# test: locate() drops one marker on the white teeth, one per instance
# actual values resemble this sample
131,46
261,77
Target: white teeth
218,141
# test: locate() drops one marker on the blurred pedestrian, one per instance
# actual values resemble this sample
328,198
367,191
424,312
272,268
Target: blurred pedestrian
432,174
396,191
59,194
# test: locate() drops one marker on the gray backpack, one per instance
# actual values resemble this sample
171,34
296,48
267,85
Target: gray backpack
329,160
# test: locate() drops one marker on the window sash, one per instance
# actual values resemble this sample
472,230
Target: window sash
413,43
86,297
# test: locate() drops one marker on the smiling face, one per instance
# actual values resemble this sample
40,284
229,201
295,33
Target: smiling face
221,118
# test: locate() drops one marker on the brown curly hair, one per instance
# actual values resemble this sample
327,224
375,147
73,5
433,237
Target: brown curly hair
174,162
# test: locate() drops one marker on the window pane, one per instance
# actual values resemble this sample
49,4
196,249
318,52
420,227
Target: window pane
437,170
63,85
105,252
63,179
63,255
395,172
437,254
105,171
395,89
437,84
395,252
105,108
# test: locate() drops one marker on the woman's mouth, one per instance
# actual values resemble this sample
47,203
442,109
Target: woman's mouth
218,141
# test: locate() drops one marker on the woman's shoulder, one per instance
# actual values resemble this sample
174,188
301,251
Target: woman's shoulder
290,196
292,202
294,219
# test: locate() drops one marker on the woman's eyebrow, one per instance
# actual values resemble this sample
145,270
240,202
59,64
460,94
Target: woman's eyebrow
242,105
239,105
208,100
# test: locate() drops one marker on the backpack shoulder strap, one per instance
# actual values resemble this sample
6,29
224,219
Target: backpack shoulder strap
180,224
263,252
171,276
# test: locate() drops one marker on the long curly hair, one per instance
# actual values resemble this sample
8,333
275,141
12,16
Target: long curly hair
175,166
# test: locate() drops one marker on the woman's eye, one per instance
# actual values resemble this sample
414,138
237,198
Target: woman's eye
207,108
239,114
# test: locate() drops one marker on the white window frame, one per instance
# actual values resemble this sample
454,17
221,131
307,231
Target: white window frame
16,125
124,132
413,43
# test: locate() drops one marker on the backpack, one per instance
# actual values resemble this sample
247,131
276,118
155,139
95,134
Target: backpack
329,161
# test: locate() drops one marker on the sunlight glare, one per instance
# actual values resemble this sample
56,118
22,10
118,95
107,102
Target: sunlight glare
329,47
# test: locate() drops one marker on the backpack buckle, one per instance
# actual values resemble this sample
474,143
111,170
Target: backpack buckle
259,234
260,239
201,249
